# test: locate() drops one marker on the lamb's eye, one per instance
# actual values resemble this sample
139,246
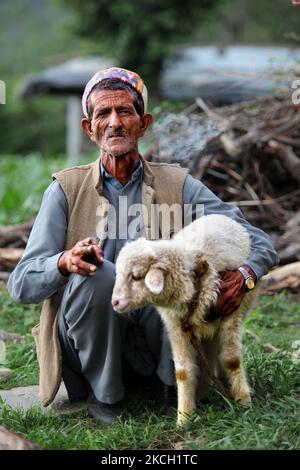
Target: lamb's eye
136,277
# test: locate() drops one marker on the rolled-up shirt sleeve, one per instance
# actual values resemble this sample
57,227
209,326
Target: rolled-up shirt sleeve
37,277
263,255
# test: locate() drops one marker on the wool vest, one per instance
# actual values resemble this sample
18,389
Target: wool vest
83,187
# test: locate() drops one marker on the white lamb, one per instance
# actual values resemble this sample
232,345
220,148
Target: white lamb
180,277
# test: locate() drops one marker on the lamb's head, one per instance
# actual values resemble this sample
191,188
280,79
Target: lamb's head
150,273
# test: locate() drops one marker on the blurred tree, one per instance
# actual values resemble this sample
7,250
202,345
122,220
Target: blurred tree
138,33
32,37
253,22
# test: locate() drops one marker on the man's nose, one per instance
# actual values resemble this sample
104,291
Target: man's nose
114,120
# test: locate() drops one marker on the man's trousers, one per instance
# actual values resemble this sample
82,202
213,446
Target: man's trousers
99,345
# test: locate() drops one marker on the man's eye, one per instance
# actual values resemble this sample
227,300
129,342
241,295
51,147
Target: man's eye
102,114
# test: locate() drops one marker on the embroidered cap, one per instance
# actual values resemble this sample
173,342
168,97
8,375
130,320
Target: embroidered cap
132,78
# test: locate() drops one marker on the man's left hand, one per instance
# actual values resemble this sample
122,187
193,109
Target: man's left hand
231,293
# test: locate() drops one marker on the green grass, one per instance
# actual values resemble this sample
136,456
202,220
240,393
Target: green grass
271,423
20,357
22,183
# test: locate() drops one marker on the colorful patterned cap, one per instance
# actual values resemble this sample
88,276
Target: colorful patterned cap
132,78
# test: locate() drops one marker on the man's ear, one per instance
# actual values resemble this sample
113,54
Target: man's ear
86,126
154,280
146,121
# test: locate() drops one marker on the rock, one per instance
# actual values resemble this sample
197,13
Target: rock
12,441
4,373
27,397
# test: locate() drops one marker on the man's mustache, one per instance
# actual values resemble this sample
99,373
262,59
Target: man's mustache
116,133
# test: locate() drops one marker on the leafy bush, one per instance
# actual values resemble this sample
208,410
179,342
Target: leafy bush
22,183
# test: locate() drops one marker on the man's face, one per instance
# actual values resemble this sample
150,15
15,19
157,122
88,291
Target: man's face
115,126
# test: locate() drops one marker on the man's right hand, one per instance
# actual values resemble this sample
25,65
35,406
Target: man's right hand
72,261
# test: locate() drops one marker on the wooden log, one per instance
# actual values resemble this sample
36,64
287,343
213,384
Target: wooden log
11,233
288,244
287,276
9,258
4,275
287,157
289,253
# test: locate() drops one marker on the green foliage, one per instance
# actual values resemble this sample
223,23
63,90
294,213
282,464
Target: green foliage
22,183
20,357
253,22
271,423
35,125
277,320
138,34
38,41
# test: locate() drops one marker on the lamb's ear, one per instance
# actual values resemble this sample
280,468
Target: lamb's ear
201,265
154,280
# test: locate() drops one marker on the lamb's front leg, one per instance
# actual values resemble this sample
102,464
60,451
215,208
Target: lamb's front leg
186,371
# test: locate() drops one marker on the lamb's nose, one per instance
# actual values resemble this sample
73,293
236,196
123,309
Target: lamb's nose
119,304
115,303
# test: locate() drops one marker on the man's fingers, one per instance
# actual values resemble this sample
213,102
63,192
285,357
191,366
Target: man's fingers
87,241
84,266
91,251
78,268
82,272
76,259
85,250
82,250
98,253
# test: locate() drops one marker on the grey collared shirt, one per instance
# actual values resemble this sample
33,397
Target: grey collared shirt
118,195
37,277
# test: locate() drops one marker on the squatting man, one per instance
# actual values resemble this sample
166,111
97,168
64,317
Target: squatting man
80,338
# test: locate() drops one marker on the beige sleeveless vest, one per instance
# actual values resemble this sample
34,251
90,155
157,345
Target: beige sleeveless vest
83,187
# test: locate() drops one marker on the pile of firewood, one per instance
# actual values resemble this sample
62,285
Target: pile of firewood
13,239
253,160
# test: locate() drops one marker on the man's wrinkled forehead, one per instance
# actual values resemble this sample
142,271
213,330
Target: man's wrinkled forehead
107,99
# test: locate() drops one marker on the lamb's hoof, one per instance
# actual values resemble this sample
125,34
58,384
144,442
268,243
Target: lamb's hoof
244,400
246,403
183,419
241,394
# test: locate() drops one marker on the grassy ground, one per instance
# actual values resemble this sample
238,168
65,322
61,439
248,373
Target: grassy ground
271,423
